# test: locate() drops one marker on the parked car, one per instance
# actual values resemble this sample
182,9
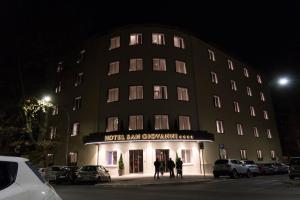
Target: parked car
266,168
51,172
294,169
230,167
66,175
252,166
93,173
280,168
20,180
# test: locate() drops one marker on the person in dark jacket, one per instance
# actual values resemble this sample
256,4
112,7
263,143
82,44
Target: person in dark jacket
171,166
157,167
179,167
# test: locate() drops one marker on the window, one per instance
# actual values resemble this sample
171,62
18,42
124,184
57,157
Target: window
182,94
135,39
135,92
262,96
211,55
136,64
219,125
266,116
243,154
269,134
136,122
255,132
77,103
252,111
114,43
239,128
214,77
58,87
50,158
9,171
161,122
112,158
222,153
59,67
113,68
259,154
112,124
159,64
273,155
78,79
73,158
55,110
259,79
113,95
233,85
246,73
179,42
180,67
230,65
52,134
249,92
158,38
236,106
217,101
75,129
81,56
186,155
184,123
160,92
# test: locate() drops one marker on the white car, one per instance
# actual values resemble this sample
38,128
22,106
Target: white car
20,180
52,171
253,167
230,167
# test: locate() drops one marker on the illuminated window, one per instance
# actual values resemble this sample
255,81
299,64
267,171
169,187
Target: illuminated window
161,122
158,38
112,124
180,67
135,39
249,91
262,96
113,95
160,92
233,85
78,79
136,64
58,87
136,122
273,155
59,67
55,110
113,68
81,57
252,111
266,116
182,94
179,42
222,153
112,158
230,65
236,106
243,154
240,129
184,123
217,101
135,92
50,158
214,77
159,64
186,155
269,134
259,154
114,43
73,158
77,103
75,129
246,73
52,134
219,125
211,55
259,79
255,132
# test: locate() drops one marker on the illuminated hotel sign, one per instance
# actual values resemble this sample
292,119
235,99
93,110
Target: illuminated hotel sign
148,136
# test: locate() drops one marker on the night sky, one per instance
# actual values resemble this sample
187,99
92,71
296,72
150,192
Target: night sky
35,34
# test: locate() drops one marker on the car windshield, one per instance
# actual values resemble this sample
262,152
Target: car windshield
221,162
88,168
249,162
295,161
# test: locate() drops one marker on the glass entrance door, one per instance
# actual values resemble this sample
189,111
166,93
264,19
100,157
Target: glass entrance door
135,161
163,156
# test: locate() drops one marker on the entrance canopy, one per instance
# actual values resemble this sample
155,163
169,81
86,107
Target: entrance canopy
143,135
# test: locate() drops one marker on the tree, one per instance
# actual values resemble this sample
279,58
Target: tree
121,165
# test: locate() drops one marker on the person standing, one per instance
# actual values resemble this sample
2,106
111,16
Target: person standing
157,166
179,167
171,166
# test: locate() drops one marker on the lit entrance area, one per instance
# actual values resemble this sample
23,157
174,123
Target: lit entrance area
163,156
135,161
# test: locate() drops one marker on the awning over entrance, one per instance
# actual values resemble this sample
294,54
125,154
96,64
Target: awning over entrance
143,135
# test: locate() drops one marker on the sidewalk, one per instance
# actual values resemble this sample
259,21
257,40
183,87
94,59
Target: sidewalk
136,181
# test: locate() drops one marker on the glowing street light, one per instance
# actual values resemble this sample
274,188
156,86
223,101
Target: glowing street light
47,98
283,81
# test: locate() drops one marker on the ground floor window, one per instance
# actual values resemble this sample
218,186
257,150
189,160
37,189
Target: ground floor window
222,153
135,161
243,153
273,155
259,154
186,155
112,158
73,158
50,158
163,157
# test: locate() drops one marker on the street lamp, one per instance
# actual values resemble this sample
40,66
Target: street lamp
283,81
46,98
